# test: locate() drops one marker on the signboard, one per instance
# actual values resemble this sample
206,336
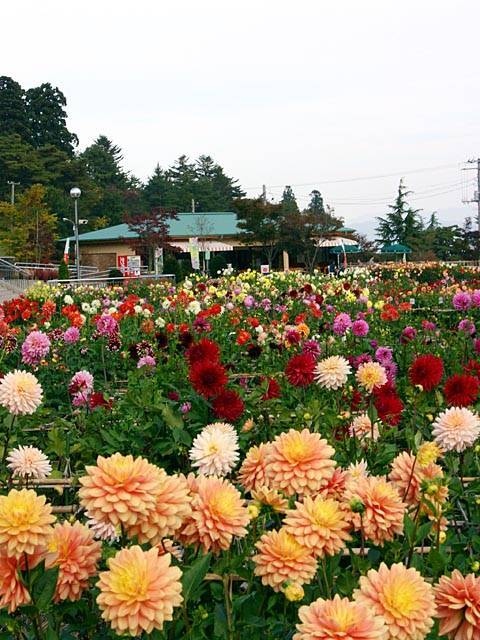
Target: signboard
264,268
122,264
129,265
194,252
134,264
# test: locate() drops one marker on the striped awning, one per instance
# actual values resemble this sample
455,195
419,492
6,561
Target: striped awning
203,245
336,241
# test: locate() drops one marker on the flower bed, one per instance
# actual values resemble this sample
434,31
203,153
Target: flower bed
282,456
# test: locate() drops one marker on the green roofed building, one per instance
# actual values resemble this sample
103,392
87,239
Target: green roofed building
217,232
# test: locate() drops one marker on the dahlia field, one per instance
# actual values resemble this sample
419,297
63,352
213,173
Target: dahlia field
280,456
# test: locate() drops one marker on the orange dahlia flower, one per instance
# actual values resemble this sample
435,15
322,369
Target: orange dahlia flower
120,489
319,524
25,523
252,474
13,592
383,513
171,509
270,498
218,514
408,475
281,558
335,487
338,619
402,597
458,606
299,462
72,549
139,591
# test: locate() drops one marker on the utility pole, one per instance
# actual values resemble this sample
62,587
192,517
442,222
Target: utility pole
193,205
12,190
476,198
264,194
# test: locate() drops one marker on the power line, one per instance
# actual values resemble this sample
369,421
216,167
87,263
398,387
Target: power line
360,178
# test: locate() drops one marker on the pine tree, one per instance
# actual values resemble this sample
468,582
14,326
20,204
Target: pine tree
316,202
13,115
289,202
402,224
47,118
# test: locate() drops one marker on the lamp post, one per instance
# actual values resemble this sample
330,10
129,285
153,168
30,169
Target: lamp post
75,193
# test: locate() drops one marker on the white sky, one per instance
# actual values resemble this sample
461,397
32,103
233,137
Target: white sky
278,92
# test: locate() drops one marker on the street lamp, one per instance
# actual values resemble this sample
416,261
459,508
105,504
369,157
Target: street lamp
75,193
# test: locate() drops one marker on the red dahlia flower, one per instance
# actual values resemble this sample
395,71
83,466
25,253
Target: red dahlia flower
228,405
388,404
208,378
204,349
461,390
426,370
273,390
300,370
472,368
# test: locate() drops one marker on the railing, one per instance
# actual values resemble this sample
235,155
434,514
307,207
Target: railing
105,280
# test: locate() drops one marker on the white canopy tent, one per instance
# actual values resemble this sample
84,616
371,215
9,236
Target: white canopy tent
203,245
336,241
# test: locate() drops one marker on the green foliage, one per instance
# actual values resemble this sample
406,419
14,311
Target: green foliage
27,230
47,118
63,273
402,224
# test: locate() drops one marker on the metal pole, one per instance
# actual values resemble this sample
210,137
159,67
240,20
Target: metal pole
77,243
12,190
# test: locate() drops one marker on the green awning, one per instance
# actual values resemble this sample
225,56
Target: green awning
395,248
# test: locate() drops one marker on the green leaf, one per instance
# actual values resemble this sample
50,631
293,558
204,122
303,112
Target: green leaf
172,420
44,588
409,529
51,634
193,577
220,629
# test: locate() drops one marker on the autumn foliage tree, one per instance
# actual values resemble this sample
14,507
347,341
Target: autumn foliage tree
151,229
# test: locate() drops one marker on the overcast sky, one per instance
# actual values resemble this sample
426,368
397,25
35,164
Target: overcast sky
304,92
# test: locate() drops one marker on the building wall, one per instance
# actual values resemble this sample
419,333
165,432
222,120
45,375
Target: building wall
104,256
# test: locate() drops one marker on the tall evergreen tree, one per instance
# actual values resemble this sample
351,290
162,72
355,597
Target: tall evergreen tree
402,224
102,161
47,118
316,202
158,190
288,201
13,114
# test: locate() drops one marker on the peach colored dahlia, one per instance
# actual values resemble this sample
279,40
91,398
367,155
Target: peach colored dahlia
282,558
120,489
319,524
139,591
252,474
25,523
456,429
215,450
339,619
363,429
13,592
218,514
402,597
458,606
171,509
20,392
384,509
72,549
335,487
299,462
28,462
371,375
408,476
271,498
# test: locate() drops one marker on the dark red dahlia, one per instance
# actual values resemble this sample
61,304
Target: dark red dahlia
228,405
426,370
97,399
472,368
300,369
204,349
273,390
388,404
461,390
208,378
